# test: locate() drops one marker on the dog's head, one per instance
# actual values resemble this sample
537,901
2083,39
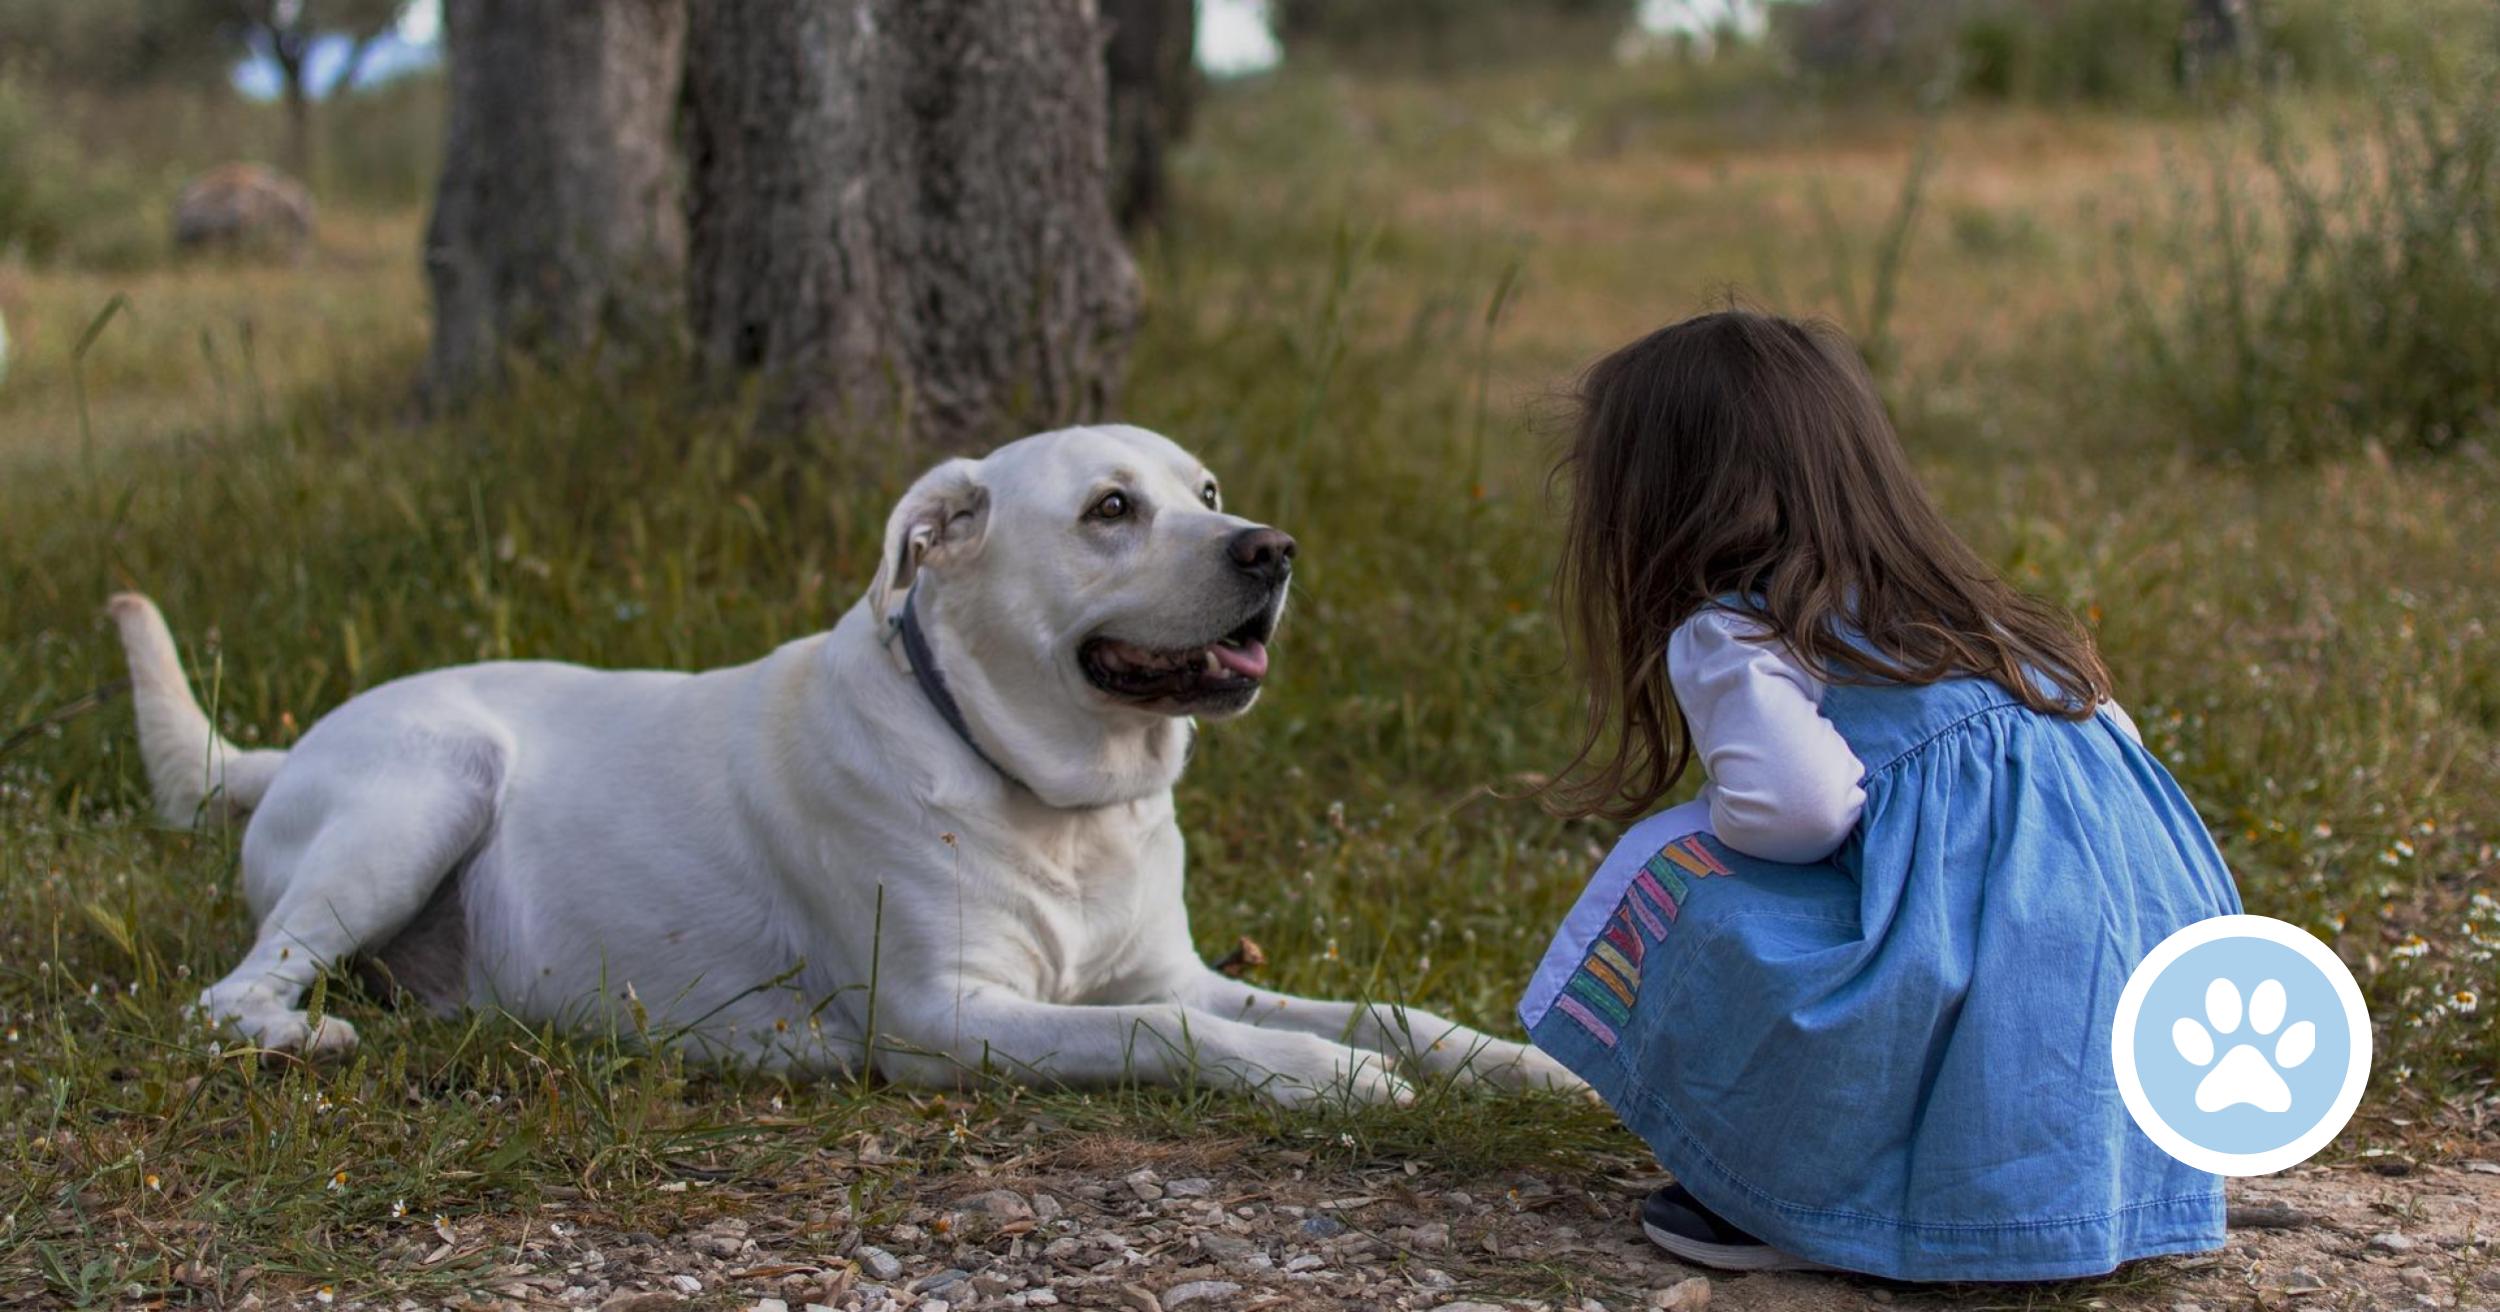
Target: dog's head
1087,595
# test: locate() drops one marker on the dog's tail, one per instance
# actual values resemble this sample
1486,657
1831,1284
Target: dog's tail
193,772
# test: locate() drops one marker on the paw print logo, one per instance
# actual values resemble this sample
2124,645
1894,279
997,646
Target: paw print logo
2244,1075
2236,1077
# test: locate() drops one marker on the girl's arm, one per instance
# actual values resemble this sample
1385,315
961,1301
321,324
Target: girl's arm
1783,782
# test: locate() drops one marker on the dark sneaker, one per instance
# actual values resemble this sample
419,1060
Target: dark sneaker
1677,1222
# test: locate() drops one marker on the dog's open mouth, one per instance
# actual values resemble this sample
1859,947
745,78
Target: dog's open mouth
1225,671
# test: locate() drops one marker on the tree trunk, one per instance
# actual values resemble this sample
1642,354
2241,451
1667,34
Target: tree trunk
1151,62
557,225
898,214
2215,34
299,137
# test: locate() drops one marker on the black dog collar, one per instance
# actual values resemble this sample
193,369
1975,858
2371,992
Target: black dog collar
932,681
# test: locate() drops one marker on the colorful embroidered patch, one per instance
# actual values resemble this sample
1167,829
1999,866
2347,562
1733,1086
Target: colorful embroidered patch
1601,994
1689,853
1600,1030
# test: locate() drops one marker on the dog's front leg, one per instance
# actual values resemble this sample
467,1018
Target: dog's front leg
1431,1043
947,1041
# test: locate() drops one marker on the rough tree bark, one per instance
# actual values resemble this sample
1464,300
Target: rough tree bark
898,214
1154,86
557,222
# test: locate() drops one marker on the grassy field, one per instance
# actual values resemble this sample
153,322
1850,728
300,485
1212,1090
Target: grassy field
1360,317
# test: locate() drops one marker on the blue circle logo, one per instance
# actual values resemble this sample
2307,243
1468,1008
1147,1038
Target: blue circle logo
2241,1045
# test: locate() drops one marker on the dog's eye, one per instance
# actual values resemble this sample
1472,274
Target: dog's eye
1207,494
1109,506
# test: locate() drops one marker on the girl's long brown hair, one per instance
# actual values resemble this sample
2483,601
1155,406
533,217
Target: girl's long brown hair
1743,454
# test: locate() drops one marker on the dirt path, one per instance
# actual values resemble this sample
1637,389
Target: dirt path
1157,1227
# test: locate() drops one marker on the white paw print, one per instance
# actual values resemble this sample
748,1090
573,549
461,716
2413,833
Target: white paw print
2244,1075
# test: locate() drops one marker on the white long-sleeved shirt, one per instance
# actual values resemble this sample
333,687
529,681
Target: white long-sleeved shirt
1782,783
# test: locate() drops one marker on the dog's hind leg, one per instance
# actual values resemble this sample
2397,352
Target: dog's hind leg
350,859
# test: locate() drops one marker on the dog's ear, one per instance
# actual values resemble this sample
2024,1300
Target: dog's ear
941,520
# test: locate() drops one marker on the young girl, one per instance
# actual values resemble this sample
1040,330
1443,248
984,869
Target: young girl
1857,995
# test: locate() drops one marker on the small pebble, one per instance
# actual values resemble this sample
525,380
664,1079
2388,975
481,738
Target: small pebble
1683,1296
1226,1248
2392,1242
1199,1291
1001,1204
879,1263
2266,1216
1322,1227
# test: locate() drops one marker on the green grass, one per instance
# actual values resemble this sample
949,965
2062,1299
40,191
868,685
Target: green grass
1369,295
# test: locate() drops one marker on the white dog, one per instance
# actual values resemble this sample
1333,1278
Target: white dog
936,840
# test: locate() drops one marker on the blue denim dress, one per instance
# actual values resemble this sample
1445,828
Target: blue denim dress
1896,1061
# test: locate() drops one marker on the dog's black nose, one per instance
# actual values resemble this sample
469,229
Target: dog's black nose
1265,554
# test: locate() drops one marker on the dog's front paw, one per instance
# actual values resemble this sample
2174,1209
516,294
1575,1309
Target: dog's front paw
1532,1069
1369,1081
280,1030
1501,1065
1317,1072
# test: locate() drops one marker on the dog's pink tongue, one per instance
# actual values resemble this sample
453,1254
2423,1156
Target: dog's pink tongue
1249,660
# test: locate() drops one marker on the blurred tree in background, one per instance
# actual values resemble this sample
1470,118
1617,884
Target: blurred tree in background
286,32
118,43
125,44
1443,34
2111,52
1150,61
2096,50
